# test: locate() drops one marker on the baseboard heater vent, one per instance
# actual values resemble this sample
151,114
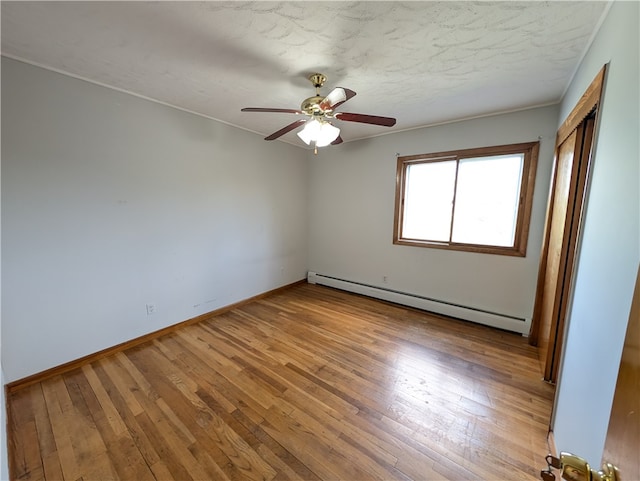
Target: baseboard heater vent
494,319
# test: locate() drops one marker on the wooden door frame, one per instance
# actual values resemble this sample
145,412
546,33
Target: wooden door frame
588,103
623,434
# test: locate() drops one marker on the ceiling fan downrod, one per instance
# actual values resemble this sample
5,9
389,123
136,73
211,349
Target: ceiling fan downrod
311,105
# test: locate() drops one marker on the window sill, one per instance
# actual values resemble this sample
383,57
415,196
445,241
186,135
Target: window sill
478,248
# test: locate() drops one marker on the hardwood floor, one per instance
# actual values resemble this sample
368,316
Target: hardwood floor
311,384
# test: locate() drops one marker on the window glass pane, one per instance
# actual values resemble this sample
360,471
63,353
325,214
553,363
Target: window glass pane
428,200
487,200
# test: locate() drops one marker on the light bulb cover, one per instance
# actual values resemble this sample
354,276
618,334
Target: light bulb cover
310,131
328,133
322,133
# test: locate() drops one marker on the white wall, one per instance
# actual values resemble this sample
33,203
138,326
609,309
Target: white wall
110,202
609,252
351,205
4,461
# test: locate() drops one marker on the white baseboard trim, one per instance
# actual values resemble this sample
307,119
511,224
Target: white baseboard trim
480,316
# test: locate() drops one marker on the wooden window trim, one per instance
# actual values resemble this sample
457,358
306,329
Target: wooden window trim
519,248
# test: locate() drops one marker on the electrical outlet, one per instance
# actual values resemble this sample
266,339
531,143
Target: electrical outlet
384,279
151,309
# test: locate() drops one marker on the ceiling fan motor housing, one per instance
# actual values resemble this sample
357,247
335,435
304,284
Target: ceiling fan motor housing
311,105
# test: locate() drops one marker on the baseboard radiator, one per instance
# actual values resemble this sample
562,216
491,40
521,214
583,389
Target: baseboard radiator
494,319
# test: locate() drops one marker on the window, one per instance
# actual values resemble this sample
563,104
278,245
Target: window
474,200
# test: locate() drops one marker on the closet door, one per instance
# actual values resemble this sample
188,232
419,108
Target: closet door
568,189
572,158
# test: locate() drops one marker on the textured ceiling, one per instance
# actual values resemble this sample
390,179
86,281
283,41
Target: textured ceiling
421,62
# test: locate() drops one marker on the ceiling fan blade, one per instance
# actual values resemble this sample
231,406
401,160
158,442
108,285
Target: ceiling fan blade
366,119
282,111
337,141
286,129
336,97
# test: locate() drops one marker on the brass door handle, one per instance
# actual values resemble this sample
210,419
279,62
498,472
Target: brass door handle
575,468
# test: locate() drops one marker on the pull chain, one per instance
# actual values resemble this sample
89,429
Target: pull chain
552,462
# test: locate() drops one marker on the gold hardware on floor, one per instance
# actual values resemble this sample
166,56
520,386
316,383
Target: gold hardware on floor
574,468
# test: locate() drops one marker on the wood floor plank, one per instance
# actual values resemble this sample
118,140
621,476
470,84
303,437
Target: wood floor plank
89,447
25,410
170,457
125,458
287,465
204,425
54,394
309,383
111,413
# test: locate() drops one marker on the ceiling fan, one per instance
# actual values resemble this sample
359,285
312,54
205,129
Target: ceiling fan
321,110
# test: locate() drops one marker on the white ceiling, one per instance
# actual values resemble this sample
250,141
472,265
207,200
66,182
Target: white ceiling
421,62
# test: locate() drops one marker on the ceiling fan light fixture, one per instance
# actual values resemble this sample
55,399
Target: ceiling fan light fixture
320,111
322,133
310,131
